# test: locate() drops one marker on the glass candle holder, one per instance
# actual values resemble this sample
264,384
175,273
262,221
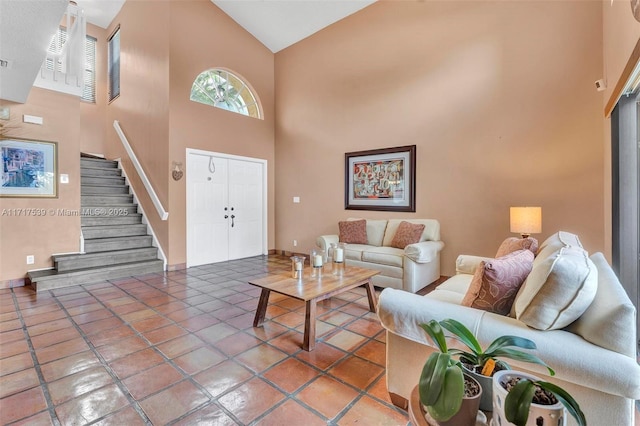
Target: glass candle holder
316,261
330,252
297,266
338,254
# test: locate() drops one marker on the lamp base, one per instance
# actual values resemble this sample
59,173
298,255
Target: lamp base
525,235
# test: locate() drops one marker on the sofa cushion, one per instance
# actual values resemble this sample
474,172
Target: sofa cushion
607,321
353,231
354,251
558,290
407,233
555,242
431,230
383,256
496,282
512,244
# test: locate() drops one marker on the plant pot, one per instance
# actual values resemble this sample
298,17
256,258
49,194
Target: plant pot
468,413
486,383
539,415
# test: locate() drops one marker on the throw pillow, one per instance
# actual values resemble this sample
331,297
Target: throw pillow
512,244
353,231
558,290
407,233
495,283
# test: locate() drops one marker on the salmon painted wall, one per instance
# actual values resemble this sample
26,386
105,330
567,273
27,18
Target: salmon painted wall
620,34
204,37
497,96
75,125
143,105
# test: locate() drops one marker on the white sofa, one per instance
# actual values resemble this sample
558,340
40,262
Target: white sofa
411,269
594,356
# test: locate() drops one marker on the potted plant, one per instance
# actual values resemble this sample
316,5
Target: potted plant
482,364
525,400
449,396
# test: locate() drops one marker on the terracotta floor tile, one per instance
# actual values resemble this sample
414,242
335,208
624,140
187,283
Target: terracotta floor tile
236,343
216,332
48,327
118,303
152,380
41,419
357,372
10,325
22,405
138,315
150,324
41,309
291,375
251,400
176,347
136,362
78,384
163,334
289,342
13,348
327,396
198,360
84,307
267,331
172,402
379,390
336,318
365,327
15,363
160,300
373,351
46,317
290,319
48,339
127,416
92,316
323,356
224,376
111,336
101,325
11,336
369,411
127,308
227,313
11,384
242,321
122,348
210,415
345,340
69,365
261,357
199,322
291,413
91,406
172,307
61,350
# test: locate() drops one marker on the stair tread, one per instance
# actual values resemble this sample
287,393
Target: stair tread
52,273
103,253
112,227
100,185
116,239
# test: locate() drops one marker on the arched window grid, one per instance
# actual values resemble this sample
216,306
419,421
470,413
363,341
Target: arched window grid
223,89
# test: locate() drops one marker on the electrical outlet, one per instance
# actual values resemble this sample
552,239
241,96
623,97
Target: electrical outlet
295,243
31,259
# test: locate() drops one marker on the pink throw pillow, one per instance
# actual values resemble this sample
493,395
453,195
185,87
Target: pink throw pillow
495,283
407,233
353,231
513,244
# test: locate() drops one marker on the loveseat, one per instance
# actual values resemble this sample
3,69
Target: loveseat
409,268
591,345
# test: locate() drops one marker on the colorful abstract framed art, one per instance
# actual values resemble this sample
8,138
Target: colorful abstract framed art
381,179
29,168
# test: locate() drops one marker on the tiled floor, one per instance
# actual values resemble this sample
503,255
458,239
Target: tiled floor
180,348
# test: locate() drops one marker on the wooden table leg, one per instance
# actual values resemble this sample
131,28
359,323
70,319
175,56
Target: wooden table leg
309,342
371,294
261,311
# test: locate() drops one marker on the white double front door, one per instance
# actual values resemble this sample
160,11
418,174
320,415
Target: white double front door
226,207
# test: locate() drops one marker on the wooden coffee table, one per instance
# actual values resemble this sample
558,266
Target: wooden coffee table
312,290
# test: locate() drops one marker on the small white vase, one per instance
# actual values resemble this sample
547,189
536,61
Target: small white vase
539,415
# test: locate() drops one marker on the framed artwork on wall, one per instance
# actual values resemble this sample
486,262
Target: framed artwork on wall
29,168
381,179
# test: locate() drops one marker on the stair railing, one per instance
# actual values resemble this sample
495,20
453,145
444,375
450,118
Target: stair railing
164,215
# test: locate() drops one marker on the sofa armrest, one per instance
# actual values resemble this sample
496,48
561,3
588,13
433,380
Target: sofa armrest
324,242
467,264
424,252
574,359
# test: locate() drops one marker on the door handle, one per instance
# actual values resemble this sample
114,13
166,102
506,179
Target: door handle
232,217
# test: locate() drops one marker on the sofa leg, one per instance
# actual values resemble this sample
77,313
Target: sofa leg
398,401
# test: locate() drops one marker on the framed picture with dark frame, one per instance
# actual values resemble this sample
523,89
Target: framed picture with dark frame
381,179
29,168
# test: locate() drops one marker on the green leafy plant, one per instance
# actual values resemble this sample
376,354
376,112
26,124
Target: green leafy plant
502,347
519,399
441,385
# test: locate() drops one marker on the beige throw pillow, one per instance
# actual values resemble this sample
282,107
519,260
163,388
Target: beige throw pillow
513,244
558,290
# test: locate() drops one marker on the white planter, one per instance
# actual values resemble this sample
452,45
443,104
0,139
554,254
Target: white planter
539,415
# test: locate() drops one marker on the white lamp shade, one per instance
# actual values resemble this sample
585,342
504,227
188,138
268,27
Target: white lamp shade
526,220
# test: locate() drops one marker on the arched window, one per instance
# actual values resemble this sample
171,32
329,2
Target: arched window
223,89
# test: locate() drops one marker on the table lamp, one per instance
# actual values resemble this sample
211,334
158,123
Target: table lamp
526,220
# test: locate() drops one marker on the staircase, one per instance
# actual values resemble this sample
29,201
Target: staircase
116,243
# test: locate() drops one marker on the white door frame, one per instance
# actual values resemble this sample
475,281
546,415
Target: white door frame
190,151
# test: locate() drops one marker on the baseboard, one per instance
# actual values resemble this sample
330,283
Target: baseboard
20,282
